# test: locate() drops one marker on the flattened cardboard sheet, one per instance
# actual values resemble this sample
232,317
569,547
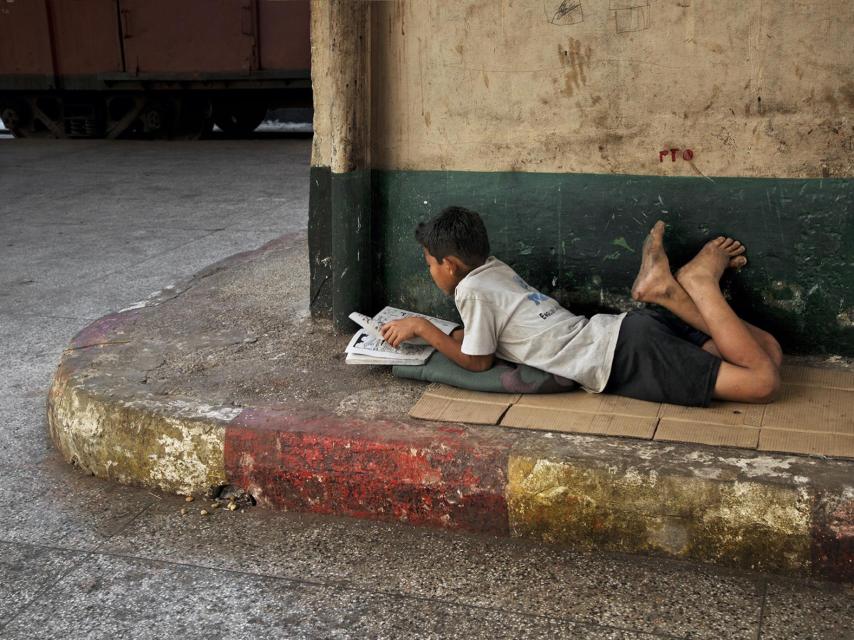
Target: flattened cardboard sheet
454,393
815,377
441,402
590,403
811,409
619,405
527,417
550,419
731,413
582,412
721,435
626,426
814,415
823,444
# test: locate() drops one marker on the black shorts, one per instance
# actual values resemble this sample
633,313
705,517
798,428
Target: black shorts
658,358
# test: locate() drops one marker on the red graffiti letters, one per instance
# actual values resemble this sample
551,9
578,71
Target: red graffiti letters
687,154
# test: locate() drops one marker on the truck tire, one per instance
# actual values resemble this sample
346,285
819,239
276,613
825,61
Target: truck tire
239,118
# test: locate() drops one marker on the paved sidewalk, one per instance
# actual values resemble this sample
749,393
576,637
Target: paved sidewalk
83,557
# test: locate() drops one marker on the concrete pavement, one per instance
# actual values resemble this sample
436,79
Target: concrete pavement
87,558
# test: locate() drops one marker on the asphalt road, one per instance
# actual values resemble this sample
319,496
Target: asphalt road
87,227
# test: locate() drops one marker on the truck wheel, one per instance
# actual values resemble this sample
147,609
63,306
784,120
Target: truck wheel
194,118
13,118
33,118
239,118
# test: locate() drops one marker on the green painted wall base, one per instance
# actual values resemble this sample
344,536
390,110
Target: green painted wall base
320,240
340,246
578,237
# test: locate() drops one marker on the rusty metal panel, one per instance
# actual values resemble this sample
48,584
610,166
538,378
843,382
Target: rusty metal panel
25,38
191,36
86,36
284,27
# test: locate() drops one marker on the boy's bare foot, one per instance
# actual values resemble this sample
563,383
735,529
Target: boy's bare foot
713,259
654,281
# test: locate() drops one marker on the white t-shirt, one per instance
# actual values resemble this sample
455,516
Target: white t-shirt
503,315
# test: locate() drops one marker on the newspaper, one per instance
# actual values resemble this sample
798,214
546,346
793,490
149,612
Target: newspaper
368,347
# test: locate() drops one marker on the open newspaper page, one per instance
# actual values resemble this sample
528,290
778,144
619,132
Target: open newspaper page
365,345
391,313
354,358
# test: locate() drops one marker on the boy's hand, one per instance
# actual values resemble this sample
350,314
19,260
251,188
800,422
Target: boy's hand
397,331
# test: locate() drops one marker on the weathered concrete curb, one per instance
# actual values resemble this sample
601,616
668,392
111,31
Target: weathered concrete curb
786,514
107,414
119,439
120,442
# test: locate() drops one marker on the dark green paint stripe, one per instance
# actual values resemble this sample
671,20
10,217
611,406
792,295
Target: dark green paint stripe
339,237
577,237
320,240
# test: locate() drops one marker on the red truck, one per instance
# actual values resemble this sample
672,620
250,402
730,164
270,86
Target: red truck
155,68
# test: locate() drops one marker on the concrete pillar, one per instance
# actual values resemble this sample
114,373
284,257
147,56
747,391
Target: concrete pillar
340,211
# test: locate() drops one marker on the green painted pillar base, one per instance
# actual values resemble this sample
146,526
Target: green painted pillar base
340,244
320,241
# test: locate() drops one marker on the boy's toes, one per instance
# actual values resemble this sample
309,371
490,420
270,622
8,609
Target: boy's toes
734,247
726,245
738,262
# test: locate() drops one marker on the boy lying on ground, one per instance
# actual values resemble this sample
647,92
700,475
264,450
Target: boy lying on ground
697,350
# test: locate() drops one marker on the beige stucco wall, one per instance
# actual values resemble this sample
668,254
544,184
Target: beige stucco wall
340,78
752,87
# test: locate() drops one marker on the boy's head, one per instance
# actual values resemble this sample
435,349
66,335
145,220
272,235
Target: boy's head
455,242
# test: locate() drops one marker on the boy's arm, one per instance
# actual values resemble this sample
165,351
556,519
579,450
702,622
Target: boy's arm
397,331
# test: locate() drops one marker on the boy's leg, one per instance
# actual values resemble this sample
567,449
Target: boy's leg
748,373
656,284
768,343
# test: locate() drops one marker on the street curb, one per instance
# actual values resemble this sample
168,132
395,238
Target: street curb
738,508
437,475
772,513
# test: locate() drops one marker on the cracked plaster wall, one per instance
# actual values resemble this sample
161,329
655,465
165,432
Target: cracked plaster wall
752,88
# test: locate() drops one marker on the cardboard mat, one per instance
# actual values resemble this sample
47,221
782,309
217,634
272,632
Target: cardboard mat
813,415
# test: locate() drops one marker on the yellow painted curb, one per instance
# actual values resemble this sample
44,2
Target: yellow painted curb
154,444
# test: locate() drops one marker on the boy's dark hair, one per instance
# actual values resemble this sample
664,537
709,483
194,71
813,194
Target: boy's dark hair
456,231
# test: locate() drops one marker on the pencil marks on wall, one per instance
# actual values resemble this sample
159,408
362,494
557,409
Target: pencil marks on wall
563,12
630,15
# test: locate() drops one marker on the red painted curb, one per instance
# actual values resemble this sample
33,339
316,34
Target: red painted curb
833,542
439,475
